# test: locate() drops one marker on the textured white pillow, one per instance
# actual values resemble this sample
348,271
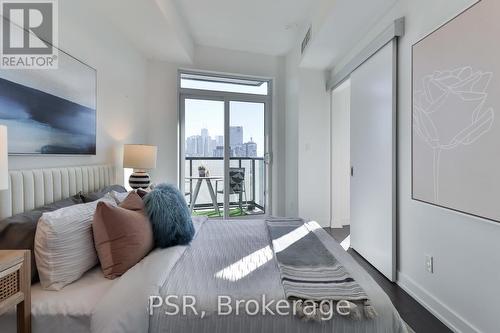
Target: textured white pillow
64,244
118,196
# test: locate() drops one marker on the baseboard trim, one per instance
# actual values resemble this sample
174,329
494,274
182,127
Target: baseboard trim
339,223
450,318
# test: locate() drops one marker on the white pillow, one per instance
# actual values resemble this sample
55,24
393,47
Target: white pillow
119,197
64,244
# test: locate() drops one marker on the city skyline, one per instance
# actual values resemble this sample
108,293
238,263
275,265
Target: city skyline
204,145
209,115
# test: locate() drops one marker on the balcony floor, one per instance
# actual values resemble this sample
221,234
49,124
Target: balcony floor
233,212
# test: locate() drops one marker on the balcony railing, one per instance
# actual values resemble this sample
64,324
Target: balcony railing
253,199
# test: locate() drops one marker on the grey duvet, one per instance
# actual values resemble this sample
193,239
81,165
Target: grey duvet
233,259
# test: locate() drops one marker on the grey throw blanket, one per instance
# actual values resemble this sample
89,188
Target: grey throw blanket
310,273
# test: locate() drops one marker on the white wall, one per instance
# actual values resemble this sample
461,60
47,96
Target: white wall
314,148
308,143
121,72
162,108
464,289
291,133
340,154
162,119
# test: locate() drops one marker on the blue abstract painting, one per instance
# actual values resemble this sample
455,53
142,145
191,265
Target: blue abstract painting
41,123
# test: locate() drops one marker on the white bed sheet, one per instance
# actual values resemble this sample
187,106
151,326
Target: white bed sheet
67,310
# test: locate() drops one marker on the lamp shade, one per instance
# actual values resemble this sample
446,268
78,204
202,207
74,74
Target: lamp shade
4,165
139,157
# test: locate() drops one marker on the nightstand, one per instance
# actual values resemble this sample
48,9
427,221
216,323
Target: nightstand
15,286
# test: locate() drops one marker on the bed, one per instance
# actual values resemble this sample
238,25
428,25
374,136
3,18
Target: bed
231,258
68,310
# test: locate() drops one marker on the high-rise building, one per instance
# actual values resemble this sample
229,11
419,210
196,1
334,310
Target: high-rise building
212,147
219,151
205,141
236,135
194,146
250,149
238,151
190,146
220,140
199,145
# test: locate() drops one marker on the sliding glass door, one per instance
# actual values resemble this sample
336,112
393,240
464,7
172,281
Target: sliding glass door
224,140
203,154
247,152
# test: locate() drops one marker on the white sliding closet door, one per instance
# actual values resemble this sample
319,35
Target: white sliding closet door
373,181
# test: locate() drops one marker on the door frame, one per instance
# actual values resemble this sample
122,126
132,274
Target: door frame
227,97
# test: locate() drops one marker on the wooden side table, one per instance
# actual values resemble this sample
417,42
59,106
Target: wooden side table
15,286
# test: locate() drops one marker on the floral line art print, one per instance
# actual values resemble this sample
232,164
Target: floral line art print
449,111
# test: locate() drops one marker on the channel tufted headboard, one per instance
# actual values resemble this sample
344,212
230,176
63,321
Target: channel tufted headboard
30,189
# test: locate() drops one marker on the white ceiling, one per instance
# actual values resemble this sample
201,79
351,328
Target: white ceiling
153,26
170,29
341,29
260,26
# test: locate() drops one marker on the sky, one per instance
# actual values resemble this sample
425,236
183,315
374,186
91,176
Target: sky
210,115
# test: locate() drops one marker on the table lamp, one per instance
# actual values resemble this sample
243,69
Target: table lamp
4,165
140,158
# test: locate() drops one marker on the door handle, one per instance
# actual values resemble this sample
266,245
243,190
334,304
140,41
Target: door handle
267,158
352,171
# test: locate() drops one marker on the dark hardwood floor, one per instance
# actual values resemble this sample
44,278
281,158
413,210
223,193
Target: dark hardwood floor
415,315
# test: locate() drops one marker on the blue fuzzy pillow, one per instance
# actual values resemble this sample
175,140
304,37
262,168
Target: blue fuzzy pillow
170,216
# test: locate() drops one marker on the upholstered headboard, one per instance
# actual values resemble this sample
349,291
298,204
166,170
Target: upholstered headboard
30,189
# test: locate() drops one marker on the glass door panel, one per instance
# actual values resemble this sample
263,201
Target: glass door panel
247,148
224,144
204,156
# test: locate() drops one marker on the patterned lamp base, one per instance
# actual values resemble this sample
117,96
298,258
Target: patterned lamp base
139,179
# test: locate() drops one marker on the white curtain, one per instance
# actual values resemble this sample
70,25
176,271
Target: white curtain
341,100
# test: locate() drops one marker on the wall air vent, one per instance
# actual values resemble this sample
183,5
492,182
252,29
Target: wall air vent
306,40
